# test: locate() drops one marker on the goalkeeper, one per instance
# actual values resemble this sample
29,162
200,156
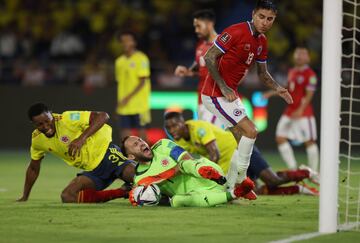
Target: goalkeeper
188,181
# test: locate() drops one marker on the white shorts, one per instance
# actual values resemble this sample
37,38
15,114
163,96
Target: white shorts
300,130
230,113
205,115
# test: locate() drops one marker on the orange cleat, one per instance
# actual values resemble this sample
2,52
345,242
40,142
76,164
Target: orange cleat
245,187
251,195
210,173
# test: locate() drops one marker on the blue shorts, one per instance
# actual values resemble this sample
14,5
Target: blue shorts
109,169
257,164
129,121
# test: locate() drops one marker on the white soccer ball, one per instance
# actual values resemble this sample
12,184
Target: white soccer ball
147,195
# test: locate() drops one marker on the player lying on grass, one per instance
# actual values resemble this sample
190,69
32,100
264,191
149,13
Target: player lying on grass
83,140
188,181
218,145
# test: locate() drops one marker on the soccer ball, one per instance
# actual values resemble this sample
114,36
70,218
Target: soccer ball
146,195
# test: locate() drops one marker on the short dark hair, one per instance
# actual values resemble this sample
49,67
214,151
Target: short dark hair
205,14
172,114
36,109
122,146
127,32
266,4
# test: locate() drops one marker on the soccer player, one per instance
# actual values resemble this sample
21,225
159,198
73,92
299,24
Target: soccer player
83,140
298,121
203,21
188,181
132,73
228,61
205,139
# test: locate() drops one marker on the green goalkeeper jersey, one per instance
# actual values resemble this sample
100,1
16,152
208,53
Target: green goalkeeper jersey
167,155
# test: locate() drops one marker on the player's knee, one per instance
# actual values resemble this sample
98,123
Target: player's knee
251,133
68,197
309,143
280,140
272,181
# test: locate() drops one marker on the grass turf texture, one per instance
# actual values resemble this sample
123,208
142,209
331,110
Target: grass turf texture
45,219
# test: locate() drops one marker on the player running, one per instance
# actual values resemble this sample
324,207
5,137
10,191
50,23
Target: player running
298,121
203,21
205,139
228,60
83,140
188,181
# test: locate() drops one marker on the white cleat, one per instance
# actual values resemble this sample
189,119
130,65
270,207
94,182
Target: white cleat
306,190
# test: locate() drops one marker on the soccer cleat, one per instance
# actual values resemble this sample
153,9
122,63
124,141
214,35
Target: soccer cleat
313,175
307,190
210,173
251,195
245,187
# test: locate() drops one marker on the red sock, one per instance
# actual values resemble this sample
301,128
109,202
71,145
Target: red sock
284,190
295,175
93,196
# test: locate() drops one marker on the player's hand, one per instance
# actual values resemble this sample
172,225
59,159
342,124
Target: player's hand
268,94
75,147
297,114
283,93
181,71
229,94
22,199
124,101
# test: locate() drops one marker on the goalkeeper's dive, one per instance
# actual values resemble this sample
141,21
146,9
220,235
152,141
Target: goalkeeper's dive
189,182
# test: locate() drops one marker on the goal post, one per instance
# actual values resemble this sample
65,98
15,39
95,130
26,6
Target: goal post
330,115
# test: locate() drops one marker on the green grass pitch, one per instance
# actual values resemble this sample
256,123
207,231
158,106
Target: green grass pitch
45,219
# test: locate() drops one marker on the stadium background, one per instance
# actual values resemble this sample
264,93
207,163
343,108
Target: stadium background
62,53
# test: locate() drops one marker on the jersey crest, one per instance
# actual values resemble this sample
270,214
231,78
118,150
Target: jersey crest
225,37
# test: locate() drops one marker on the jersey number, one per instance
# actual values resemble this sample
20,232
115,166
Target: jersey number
250,58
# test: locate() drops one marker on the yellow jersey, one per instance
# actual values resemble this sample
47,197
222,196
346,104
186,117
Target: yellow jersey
202,133
69,126
128,74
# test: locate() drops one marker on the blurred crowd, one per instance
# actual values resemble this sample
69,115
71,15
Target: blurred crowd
74,41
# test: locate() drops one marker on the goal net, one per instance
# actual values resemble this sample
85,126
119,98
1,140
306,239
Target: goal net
349,170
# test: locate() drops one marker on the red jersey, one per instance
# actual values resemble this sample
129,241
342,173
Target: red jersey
201,48
299,81
240,48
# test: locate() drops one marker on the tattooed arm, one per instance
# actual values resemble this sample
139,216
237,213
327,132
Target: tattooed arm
211,57
268,80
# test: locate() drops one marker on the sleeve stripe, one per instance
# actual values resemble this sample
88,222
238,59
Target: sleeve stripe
176,152
219,47
260,61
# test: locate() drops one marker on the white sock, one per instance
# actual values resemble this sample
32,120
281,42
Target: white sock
287,155
245,149
233,171
313,156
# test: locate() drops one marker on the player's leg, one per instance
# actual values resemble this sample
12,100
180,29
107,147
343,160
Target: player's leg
204,199
234,116
211,197
203,168
71,191
142,121
283,129
312,150
113,166
124,125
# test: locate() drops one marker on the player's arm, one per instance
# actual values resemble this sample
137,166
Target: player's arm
32,174
96,121
304,103
213,151
268,80
127,98
211,57
183,71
